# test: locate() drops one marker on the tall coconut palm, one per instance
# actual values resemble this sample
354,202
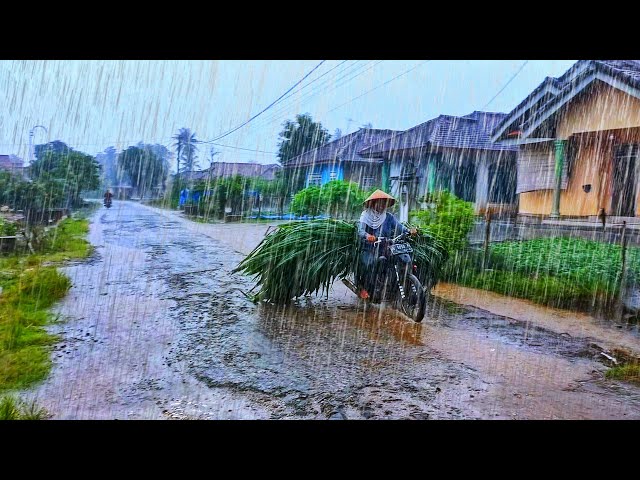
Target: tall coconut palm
186,143
186,147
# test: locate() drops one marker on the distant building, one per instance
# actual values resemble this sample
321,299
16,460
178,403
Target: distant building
450,153
12,163
340,159
230,169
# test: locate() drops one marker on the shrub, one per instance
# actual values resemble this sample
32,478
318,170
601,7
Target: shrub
337,198
450,221
7,229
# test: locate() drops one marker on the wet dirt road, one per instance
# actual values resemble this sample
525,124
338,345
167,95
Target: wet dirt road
156,326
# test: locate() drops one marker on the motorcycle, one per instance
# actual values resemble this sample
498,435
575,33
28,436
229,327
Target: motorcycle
396,282
107,202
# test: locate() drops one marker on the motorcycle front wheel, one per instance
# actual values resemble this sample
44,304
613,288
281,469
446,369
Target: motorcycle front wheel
414,303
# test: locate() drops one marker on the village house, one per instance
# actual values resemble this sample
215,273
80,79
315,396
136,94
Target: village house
578,137
340,160
449,153
230,169
13,164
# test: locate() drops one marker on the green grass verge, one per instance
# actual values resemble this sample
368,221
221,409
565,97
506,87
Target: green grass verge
628,373
13,409
31,284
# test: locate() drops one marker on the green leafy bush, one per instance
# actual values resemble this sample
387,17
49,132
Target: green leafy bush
450,221
337,198
7,229
307,201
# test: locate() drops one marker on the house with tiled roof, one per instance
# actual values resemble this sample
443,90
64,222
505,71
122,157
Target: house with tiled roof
340,160
578,138
230,169
12,164
452,153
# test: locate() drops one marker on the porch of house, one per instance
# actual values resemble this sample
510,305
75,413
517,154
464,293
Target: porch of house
601,172
487,180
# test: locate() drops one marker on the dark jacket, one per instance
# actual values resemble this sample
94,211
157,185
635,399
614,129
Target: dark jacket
390,228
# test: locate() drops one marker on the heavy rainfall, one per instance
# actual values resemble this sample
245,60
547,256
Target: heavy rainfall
335,239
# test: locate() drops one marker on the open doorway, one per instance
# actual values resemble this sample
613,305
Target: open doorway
624,181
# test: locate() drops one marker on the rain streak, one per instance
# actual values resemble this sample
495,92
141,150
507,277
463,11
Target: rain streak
320,240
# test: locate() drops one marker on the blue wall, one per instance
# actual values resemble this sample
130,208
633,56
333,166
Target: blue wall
325,173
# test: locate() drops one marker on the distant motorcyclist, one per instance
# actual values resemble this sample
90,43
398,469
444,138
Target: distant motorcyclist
108,196
375,222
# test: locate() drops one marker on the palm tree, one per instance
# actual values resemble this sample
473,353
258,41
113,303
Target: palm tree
186,149
178,146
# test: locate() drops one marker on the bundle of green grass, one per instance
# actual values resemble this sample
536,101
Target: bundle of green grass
304,258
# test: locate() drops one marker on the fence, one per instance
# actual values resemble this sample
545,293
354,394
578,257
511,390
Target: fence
489,231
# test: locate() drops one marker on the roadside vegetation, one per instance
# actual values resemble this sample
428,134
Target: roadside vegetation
30,284
12,408
570,273
628,373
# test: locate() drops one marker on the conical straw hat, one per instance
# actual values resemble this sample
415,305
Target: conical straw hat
380,195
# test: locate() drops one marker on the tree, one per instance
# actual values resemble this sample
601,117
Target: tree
342,199
337,198
163,154
56,146
47,156
145,169
337,134
108,162
227,192
186,146
63,174
272,192
300,136
308,201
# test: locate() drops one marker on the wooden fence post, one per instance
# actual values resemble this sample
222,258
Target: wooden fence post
487,239
623,262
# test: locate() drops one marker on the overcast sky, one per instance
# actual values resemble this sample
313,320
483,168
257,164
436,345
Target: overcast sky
92,105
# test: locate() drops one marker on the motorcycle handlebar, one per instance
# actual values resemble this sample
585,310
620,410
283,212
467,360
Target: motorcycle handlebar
393,240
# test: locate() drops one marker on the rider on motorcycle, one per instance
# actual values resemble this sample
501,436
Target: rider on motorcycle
107,197
375,222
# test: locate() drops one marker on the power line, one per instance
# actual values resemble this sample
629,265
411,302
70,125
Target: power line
506,85
287,106
284,106
379,86
278,114
287,94
268,107
241,148
316,79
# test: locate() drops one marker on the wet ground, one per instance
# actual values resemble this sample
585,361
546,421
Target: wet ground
156,326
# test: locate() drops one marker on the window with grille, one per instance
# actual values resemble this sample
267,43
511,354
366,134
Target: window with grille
314,179
333,175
